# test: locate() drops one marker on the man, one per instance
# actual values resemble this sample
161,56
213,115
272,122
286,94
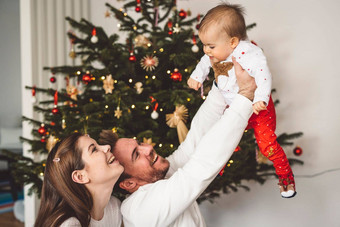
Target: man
164,191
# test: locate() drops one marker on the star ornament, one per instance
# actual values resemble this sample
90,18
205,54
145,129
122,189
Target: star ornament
108,84
177,28
148,141
149,63
118,113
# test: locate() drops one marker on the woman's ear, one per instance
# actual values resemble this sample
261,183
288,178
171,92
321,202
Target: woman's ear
80,177
234,41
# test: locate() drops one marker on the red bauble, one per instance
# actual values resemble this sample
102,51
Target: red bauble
87,77
176,76
297,151
182,14
197,26
55,110
43,139
170,32
42,130
138,9
52,123
53,79
132,58
238,148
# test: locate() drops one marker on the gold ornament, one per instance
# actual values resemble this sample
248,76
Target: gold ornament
260,158
72,53
118,113
148,141
142,41
108,84
72,92
107,14
149,63
177,120
138,87
51,141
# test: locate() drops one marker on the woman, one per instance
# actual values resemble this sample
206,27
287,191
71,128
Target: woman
78,182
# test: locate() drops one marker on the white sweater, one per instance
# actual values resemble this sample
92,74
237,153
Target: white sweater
112,217
252,59
207,147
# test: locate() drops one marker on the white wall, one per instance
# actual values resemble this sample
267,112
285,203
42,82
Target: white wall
10,99
301,41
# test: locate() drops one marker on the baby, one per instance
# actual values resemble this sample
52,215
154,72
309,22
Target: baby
223,34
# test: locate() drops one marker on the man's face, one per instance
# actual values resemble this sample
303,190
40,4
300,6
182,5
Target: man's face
140,161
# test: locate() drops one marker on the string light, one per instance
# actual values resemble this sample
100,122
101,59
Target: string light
78,72
171,145
102,78
134,137
168,72
186,70
231,161
133,106
161,49
106,106
146,77
160,145
161,109
204,97
153,77
130,80
188,99
147,107
116,81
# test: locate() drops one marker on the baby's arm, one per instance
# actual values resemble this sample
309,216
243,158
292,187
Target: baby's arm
200,73
258,106
194,84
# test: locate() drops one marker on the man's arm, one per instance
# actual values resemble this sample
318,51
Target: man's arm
207,115
167,199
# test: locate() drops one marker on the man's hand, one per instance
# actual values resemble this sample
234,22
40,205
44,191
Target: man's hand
245,82
259,106
194,84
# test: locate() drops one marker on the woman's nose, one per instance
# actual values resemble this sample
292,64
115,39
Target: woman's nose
106,148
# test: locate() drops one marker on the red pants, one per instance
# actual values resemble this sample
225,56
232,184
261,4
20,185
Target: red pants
264,126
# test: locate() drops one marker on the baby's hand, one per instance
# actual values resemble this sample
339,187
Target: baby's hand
193,84
258,106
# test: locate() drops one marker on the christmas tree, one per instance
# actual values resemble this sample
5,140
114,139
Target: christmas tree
137,89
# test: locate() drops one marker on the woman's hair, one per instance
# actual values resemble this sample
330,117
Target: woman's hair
229,17
61,197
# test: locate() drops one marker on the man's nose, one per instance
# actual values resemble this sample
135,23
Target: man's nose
146,150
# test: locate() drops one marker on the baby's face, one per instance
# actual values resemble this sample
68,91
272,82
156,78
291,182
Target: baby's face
216,44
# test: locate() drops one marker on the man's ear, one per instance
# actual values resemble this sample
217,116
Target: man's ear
234,41
129,185
80,177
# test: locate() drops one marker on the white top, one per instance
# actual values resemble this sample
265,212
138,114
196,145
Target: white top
207,147
112,216
252,59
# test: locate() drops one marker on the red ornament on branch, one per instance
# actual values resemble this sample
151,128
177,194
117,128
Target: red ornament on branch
132,57
170,27
55,110
238,148
182,14
42,130
297,151
94,38
176,76
87,77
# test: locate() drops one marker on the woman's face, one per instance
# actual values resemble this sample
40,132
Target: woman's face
100,164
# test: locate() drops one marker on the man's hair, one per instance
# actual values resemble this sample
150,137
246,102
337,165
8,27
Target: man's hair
229,17
107,137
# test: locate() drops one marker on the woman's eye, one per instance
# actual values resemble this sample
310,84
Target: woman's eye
94,149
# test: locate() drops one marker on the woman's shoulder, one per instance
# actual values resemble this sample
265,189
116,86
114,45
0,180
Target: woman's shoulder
71,222
115,202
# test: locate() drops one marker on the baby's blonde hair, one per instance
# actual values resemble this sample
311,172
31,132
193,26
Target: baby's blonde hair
230,19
